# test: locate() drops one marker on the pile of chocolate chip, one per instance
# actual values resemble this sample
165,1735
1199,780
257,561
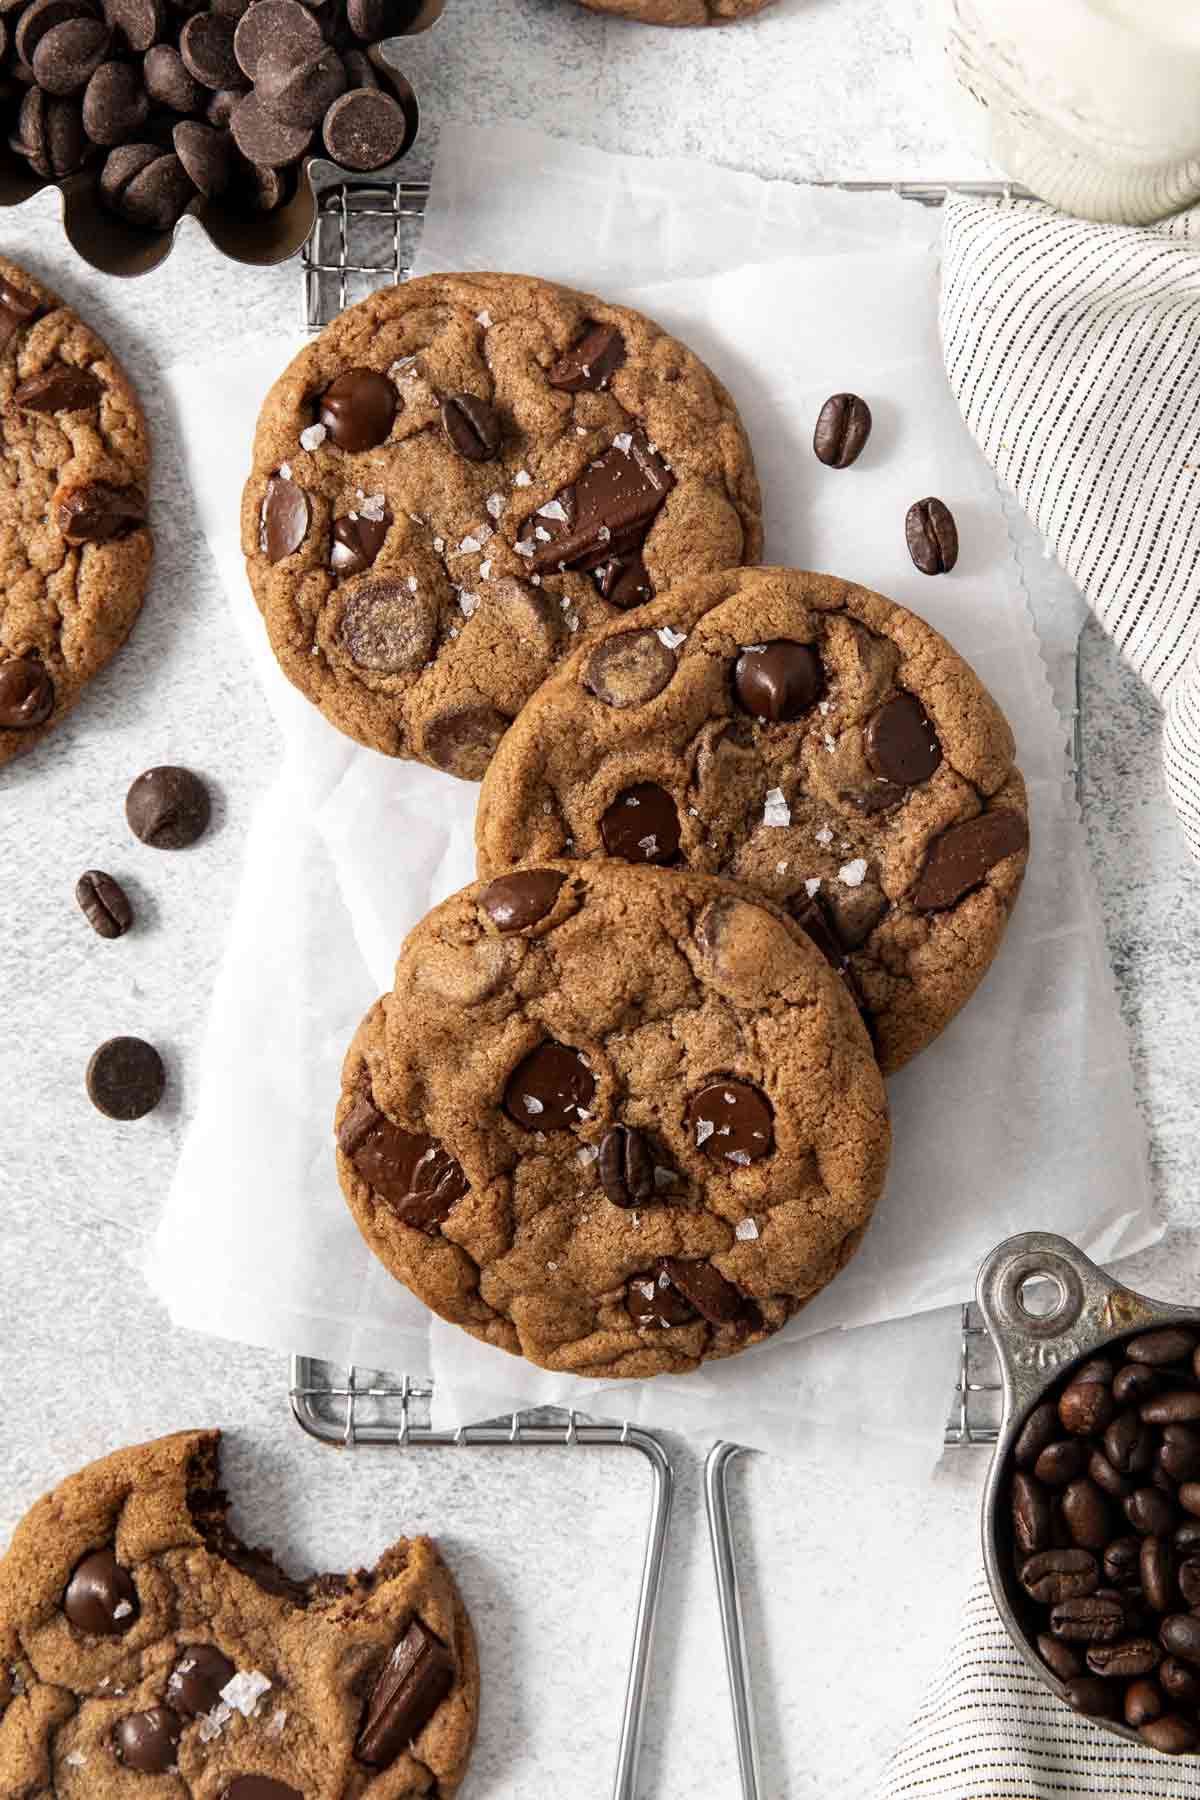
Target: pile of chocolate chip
1106,1527
171,103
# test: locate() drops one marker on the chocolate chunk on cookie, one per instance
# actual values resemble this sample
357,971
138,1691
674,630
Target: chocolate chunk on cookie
804,736
76,461
139,1638
514,465
616,1120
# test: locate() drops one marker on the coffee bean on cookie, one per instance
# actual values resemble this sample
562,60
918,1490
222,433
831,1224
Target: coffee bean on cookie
842,429
963,856
104,904
206,154
591,362
115,104
900,742
629,669
100,1597
148,1741
357,541
261,137
270,24
408,1690
778,681
285,517
514,902
731,1121
626,1166
365,129
125,1078
642,825
416,1177
93,514
472,426
932,536
358,409
168,82
26,694
68,55
168,807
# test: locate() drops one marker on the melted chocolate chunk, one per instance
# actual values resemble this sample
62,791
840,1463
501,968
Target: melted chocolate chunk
147,1741
357,542
284,522
550,1090
900,743
961,857
705,1288
606,513
731,1122
591,363
60,388
358,409
642,825
194,1684
779,680
417,1178
652,1300
26,694
408,1691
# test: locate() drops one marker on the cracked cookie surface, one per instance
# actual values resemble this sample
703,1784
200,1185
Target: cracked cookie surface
424,470
145,1651
616,1120
74,547
804,736
680,12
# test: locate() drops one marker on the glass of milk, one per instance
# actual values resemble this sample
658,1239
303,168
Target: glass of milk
1094,104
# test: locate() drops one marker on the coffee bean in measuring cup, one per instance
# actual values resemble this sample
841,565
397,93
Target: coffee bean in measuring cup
1104,1506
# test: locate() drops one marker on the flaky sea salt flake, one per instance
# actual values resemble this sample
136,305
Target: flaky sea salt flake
553,509
212,1724
412,584
522,478
745,1230
649,844
781,868
123,1610
278,1721
740,1157
244,1690
776,811
496,504
704,1130
285,469
851,874
812,885
485,570
824,835
830,742
586,1154
670,637
623,442
468,604
74,1759
484,318
533,1104
524,549
313,436
469,546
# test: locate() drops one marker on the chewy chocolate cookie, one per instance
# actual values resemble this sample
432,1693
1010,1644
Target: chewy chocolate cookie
802,735
140,1639
616,1120
680,12
74,547
462,478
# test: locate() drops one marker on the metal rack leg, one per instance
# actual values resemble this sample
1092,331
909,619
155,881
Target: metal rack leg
653,1564
737,1663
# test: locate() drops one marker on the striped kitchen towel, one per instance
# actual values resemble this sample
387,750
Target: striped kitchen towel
990,1731
1073,349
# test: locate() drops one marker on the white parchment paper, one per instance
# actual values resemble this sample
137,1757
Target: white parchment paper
1021,1116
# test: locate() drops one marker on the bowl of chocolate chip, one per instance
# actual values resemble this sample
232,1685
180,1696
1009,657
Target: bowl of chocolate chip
234,112
1091,1522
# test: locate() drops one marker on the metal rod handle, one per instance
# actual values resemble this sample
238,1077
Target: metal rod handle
729,1598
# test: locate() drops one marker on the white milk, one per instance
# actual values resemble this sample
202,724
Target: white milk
1094,104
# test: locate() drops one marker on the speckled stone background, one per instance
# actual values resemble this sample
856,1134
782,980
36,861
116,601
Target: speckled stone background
849,1594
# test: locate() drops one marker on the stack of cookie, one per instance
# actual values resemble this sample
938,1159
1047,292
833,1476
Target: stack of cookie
748,838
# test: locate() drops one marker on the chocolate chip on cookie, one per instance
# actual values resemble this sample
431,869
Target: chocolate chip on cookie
732,1122
100,1598
195,1683
60,388
148,1741
778,681
93,514
642,825
284,518
416,1177
591,362
515,902
550,1090
961,858
410,1687
26,694
357,409
630,668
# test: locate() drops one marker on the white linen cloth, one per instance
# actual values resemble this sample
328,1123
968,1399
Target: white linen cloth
1022,1115
1072,350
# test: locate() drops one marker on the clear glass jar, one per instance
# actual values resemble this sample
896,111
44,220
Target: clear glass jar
1094,104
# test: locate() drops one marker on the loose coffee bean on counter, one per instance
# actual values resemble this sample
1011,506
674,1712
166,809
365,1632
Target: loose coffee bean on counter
104,903
168,807
842,429
931,536
125,1078
1105,1506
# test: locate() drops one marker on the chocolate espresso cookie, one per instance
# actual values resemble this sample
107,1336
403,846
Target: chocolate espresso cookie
139,1638
804,736
74,547
464,477
615,1120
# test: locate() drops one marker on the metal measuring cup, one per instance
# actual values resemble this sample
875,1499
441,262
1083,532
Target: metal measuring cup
1035,1350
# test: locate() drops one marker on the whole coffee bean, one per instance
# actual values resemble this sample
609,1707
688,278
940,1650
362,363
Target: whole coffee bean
1187,1537
472,426
1093,1619
1179,1636
1056,1575
1122,1561
626,1166
1156,1568
1085,1407
68,56
1059,1658
1061,1462
1180,1682
1116,1486
1143,1702
125,1078
843,427
104,903
1128,1445
1170,1344
1179,1452
1094,1697
1189,1497
26,694
931,536
115,105
1171,1734
1040,1428
1150,1512
1189,1582
1030,1514
168,807
365,129
1171,1408
1124,1660
1097,1368
1135,1382
1086,1513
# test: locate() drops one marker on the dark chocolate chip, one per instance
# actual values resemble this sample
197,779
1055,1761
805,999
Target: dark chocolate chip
779,680
137,23
168,82
472,426
16,309
41,17
284,521
931,536
900,742
626,1166
365,129
93,514
259,1787
194,1684
206,46
642,825
842,429
26,694
104,903
60,388
962,856
299,89
606,513
156,194
374,20
705,1288
408,1690
147,1741
550,1089
268,23
100,1597
207,155
69,54
219,108
260,136
418,1178
731,1121
358,409
125,1078
168,807
51,134
387,627
357,542
463,739
517,901
591,362
624,581
115,105
629,668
